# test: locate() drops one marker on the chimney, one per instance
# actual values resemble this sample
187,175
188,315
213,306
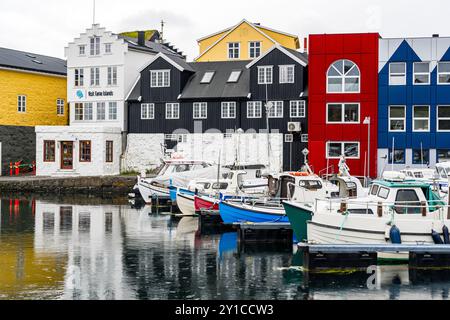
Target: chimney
435,35
305,45
141,38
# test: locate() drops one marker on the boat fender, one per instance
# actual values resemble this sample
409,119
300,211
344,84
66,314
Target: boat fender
436,237
386,233
446,234
395,235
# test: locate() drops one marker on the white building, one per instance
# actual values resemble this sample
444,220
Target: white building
102,67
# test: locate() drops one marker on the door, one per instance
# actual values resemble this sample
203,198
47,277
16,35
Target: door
67,155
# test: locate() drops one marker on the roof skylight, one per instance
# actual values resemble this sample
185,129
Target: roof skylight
207,77
234,76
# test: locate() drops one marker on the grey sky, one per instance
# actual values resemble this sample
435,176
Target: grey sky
46,26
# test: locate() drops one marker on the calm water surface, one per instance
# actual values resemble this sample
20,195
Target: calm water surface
92,249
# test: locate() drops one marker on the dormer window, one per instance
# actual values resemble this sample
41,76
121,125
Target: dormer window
207,77
160,78
234,76
95,46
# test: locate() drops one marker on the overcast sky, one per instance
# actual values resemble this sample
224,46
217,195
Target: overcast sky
46,26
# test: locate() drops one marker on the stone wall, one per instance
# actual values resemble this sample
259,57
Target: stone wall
144,150
17,143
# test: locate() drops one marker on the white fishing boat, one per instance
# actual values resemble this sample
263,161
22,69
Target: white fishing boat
396,210
179,170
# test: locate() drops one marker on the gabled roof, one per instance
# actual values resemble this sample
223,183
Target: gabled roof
219,87
150,46
26,61
176,61
299,57
230,31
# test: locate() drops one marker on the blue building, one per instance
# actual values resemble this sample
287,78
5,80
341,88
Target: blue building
414,102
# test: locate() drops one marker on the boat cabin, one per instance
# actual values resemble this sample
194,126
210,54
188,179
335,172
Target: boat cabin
177,166
419,174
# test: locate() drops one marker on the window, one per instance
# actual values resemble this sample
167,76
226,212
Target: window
254,49
287,74
228,110
22,104
343,113
265,75
254,109
95,76
109,151
343,77
147,111
207,77
82,50
407,201
399,156
397,74
383,193
160,78
421,73
88,112
276,111
374,190
349,149
60,107
305,138
107,47
298,109
79,77
49,151
443,72
421,156
112,76
112,112
101,111
397,116
172,111
95,46
443,155
234,76
234,49
200,110
289,138
421,118
79,111
443,115
85,151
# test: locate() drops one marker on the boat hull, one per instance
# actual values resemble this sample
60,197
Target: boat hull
298,217
240,213
205,203
185,203
149,192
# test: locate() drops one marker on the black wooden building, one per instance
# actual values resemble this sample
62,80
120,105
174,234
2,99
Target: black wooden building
172,94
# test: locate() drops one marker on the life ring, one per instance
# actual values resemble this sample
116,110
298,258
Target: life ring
299,174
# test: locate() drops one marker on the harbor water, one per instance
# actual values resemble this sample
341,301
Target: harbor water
92,248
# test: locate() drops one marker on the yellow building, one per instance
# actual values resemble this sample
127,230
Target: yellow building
244,41
33,89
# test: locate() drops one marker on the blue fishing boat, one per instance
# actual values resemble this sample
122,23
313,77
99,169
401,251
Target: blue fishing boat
239,212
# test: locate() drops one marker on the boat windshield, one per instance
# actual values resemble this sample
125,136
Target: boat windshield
310,184
443,172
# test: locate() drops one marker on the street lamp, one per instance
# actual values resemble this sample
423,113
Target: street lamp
269,106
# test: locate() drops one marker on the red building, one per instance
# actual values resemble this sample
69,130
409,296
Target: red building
343,92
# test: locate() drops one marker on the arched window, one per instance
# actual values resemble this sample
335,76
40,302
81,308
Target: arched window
343,76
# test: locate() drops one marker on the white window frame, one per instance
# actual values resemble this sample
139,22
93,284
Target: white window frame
200,106
60,107
276,105
113,110
343,77
233,50
88,106
147,111
297,109
172,111
265,74
94,46
82,50
251,46
108,45
444,118
157,75
95,76
421,74
102,106
226,109
254,106
420,118
21,103
305,138
343,143
442,73
395,118
112,76
78,106
403,74
284,71
343,105
207,80
288,138
237,75
78,78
